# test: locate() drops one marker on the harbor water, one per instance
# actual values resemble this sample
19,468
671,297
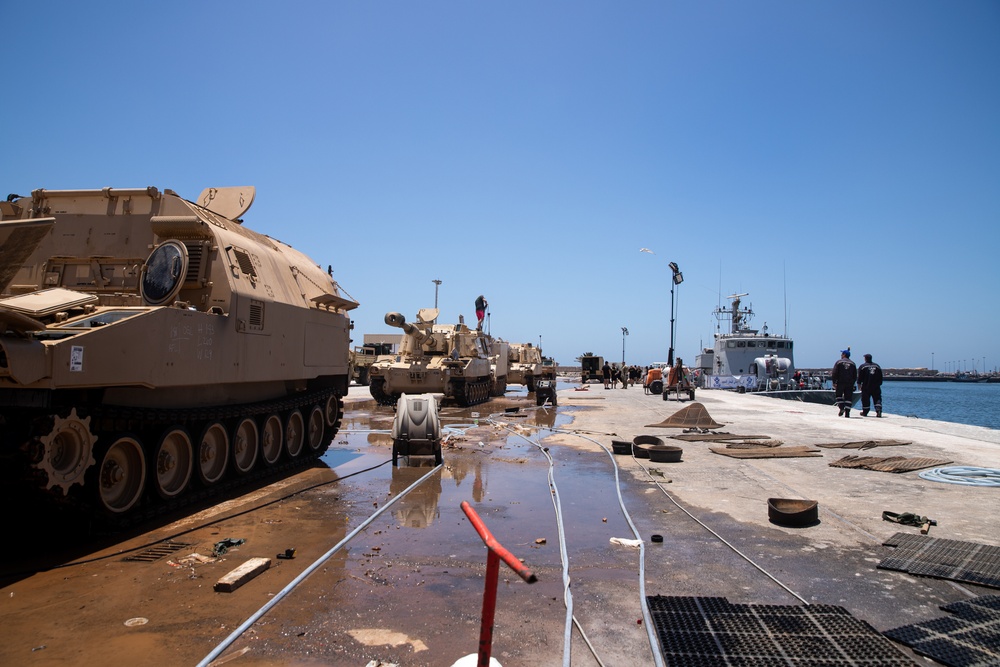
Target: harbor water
972,403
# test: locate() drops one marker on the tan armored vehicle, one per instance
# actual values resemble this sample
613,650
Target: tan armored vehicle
528,365
363,356
448,359
153,347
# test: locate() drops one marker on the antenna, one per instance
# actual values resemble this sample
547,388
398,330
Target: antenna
784,292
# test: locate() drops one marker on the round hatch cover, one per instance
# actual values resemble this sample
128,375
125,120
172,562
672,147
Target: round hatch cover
164,273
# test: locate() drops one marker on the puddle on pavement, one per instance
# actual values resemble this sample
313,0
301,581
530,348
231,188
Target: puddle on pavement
424,540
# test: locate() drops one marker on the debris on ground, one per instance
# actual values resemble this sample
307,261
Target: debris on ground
864,444
222,546
768,452
625,542
887,464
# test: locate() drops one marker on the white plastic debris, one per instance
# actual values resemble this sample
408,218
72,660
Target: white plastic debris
625,542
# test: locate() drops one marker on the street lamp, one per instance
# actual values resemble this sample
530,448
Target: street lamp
677,279
624,333
437,283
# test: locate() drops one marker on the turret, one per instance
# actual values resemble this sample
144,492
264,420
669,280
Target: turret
419,336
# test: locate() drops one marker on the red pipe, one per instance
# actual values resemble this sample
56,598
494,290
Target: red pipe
496,553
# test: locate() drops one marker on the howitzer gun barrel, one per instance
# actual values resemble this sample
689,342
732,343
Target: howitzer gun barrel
397,320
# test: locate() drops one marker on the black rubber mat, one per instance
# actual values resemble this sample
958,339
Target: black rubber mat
713,632
944,559
969,638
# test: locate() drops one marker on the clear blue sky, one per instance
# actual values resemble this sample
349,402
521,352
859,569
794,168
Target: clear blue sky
839,161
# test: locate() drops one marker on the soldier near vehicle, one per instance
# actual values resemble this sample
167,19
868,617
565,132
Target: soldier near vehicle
481,305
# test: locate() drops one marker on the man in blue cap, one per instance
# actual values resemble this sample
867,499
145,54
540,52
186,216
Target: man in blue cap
844,376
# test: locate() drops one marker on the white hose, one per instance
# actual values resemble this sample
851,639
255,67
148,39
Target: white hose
646,615
965,475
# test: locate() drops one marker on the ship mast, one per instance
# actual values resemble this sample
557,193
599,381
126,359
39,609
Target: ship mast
738,317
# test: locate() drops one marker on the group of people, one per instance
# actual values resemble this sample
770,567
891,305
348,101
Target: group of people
627,375
868,379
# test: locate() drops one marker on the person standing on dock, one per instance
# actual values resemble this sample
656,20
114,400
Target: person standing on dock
870,384
844,375
606,373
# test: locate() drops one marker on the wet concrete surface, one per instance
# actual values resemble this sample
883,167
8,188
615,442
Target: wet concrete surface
408,589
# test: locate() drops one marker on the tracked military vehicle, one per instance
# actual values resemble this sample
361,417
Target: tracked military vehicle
527,365
153,349
448,359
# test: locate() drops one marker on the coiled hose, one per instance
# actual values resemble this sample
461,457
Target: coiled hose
965,475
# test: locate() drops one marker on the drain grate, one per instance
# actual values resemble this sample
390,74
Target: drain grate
156,552
713,631
970,638
944,559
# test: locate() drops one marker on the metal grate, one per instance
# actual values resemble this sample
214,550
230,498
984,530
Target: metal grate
944,559
156,552
713,631
970,638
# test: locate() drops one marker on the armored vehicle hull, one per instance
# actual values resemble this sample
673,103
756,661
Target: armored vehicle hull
591,367
527,366
447,359
154,349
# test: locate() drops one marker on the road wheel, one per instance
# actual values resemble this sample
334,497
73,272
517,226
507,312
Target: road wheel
316,430
271,439
121,475
295,433
333,411
213,453
245,440
173,462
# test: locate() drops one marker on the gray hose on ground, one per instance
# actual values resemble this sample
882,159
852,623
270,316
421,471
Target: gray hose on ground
965,475
217,651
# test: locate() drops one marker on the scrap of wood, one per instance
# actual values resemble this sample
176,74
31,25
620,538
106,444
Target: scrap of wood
692,437
768,452
242,574
863,444
754,444
889,463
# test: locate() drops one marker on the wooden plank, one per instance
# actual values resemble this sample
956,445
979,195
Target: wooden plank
768,452
242,575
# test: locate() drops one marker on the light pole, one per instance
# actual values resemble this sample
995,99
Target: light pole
624,333
676,279
437,283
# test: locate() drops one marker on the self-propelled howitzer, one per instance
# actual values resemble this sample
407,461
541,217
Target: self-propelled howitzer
151,347
448,359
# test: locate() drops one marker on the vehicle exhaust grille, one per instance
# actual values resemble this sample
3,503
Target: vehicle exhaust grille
256,315
246,264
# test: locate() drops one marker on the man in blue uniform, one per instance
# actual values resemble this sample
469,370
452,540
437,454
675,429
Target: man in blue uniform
844,375
870,384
